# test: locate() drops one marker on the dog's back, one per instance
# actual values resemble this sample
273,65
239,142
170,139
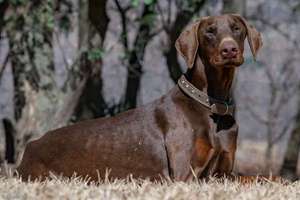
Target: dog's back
126,143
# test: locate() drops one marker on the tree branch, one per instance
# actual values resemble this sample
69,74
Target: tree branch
124,35
283,131
135,59
3,7
3,66
62,50
165,24
276,28
255,115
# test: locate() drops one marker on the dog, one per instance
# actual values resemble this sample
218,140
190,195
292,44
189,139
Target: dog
190,132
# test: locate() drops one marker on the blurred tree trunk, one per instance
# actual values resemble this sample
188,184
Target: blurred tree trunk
31,55
271,130
289,167
183,17
2,144
234,6
3,7
136,57
9,140
93,22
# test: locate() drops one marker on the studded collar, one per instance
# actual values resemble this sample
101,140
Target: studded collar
213,105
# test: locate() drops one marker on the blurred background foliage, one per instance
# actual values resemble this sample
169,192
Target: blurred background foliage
63,61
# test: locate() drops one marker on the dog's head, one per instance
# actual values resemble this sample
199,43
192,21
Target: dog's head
218,40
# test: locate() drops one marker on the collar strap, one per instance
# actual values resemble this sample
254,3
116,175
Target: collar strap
201,97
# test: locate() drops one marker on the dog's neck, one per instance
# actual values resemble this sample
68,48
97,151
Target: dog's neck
215,81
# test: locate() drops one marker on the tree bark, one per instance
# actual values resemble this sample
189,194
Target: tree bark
31,56
289,167
3,7
2,145
93,26
98,16
136,57
10,133
234,6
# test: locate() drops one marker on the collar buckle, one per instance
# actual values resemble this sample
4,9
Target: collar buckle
214,109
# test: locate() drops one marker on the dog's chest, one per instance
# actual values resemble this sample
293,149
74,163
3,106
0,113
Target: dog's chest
222,134
214,151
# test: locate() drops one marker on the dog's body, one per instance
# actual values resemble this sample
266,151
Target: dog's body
174,136
161,139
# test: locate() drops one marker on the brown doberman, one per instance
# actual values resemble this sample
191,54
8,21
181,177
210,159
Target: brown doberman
190,131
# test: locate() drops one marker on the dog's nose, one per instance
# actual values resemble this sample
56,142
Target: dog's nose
229,49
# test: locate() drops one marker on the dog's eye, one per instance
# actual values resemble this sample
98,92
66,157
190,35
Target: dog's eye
236,29
211,30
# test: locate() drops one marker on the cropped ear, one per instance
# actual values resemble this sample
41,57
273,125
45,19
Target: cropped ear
187,43
254,37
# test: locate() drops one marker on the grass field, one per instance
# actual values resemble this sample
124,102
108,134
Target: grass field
12,188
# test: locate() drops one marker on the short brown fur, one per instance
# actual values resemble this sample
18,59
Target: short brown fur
167,137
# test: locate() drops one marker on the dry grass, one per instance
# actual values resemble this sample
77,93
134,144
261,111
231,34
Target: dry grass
13,188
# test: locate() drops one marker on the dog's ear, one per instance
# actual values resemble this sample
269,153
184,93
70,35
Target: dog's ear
187,43
254,37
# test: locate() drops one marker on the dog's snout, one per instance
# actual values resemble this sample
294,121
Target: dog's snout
228,48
